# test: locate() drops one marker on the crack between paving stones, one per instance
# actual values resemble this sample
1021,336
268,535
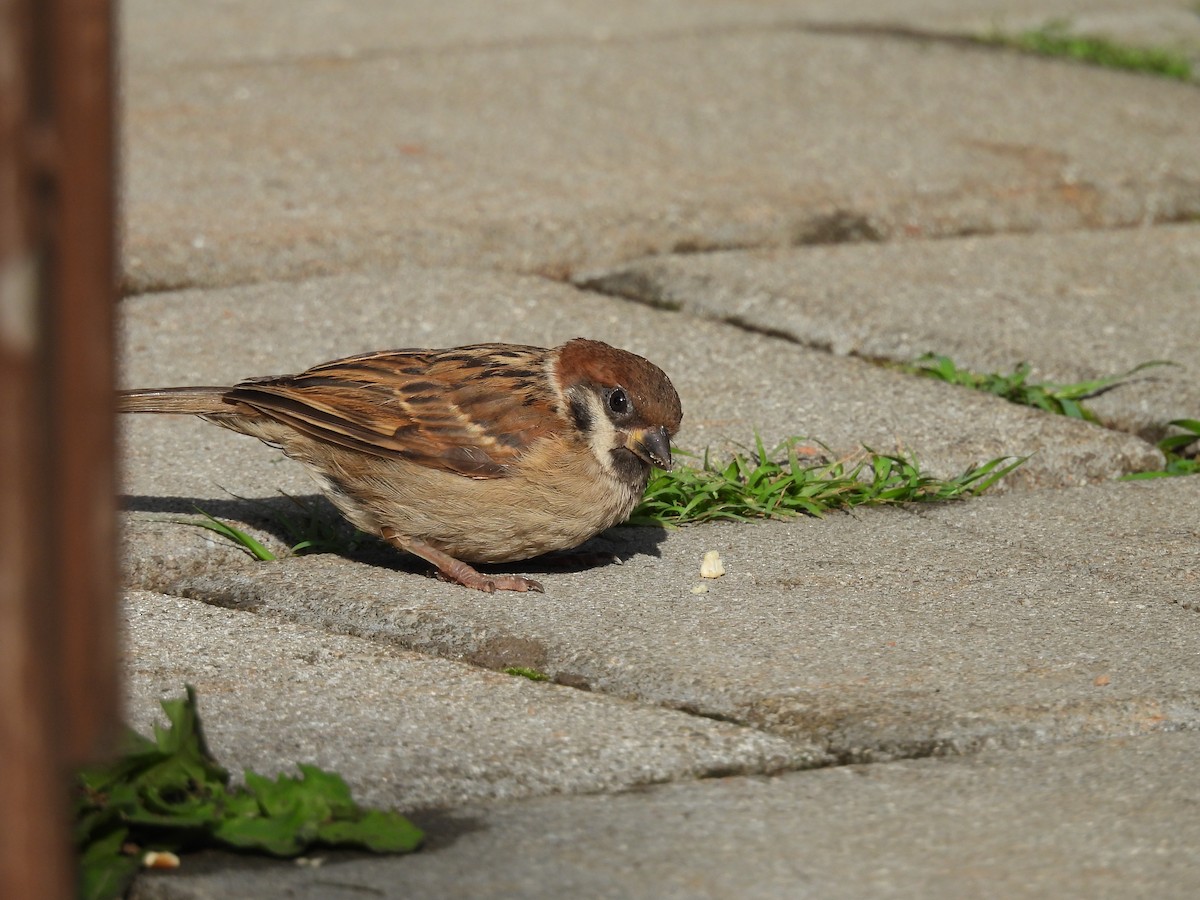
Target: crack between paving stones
827,753
637,288
820,751
838,228
837,756
991,42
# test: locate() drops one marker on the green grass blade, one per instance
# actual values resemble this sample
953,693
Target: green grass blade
236,535
1015,386
1176,442
1055,39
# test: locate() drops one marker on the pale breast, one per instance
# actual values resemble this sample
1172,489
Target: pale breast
554,501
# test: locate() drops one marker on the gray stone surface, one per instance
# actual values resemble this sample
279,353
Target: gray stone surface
406,730
1077,307
248,31
880,634
731,382
1112,819
1165,24
1001,696
566,153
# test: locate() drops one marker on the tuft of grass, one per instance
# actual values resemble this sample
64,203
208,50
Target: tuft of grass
777,485
170,794
1055,39
525,672
307,530
755,485
1172,446
1065,400
1015,387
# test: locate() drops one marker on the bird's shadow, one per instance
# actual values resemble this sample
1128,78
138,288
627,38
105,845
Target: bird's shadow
311,520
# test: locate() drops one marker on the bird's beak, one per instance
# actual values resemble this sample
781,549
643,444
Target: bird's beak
651,444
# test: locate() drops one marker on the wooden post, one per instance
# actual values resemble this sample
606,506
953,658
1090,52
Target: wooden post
58,696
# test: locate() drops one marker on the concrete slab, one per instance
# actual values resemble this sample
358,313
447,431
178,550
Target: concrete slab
554,156
731,381
249,31
1169,24
1103,820
369,141
1076,306
242,31
1129,533
872,636
404,730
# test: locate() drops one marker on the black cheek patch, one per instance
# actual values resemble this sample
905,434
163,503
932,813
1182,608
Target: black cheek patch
631,469
581,415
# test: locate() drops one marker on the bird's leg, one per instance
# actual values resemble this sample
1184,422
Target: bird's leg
456,570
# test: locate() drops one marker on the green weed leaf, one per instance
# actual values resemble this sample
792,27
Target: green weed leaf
377,830
170,793
1173,448
105,871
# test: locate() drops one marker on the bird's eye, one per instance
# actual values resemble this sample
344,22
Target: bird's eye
618,402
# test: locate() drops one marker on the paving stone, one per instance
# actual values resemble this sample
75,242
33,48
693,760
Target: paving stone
244,31
254,31
560,155
732,382
405,730
1019,669
1076,306
1112,819
1159,24
874,635
1118,532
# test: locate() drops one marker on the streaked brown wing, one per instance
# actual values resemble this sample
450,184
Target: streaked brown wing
471,410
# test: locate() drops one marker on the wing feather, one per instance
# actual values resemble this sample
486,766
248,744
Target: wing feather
445,409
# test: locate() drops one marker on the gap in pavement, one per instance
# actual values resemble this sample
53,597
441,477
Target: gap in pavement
634,286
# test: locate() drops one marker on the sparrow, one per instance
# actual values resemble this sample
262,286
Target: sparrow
488,453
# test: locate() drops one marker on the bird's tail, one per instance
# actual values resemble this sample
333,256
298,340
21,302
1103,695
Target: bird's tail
195,401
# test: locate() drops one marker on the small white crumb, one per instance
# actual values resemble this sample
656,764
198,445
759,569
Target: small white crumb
711,566
700,589
160,859
310,862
